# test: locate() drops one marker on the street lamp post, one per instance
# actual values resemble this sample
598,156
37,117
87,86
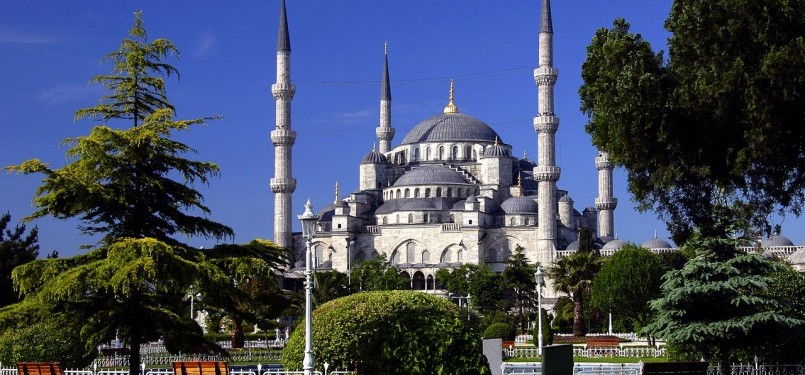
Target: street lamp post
538,277
193,296
308,219
350,242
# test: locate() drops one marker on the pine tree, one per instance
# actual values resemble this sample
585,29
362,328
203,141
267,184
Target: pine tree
16,248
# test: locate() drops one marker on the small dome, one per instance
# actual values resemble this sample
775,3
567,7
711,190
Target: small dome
656,243
573,246
340,203
430,175
614,245
472,199
566,198
450,127
326,213
528,182
519,206
604,239
374,157
525,164
496,151
774,241
797,258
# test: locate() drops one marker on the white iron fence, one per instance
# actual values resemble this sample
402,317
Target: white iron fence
623,352
535,368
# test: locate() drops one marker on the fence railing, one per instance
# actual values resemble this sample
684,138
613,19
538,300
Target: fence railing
535,368
169,371
623,352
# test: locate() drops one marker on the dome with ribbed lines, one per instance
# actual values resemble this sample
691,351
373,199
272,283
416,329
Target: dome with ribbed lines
450,127
430,175
519,206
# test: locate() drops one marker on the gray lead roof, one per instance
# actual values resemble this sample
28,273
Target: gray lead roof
385,87
283,40
450,127
545,22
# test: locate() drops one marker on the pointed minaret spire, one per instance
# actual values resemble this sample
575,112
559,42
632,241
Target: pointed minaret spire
283,40
451,107
385,133
545,22
283,184
520,184
336,192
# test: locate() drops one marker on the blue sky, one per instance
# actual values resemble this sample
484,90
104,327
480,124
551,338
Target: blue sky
50,49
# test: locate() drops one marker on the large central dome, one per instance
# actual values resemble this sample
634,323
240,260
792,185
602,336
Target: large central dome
448,127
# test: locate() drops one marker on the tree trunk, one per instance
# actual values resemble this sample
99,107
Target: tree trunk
238,338
134,355
579,329
724,359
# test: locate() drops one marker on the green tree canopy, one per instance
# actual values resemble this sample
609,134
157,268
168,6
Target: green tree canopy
573,275
16,248
379,274
390,332
518,277
627,282
718,304
714,130
130,182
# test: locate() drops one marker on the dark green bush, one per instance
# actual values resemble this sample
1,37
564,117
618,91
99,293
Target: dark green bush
499,331
45,342
390,332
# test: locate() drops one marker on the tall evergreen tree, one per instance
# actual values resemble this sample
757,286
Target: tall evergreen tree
518,276
16,248
133,186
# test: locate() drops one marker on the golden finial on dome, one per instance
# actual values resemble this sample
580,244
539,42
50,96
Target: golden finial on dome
374,146
386,47
451,107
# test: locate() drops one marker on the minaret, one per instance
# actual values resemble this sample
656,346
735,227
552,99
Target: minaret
546,173
605,203
385,133
283,184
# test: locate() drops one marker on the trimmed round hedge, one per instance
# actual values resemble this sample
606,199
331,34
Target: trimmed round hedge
499,331
390,332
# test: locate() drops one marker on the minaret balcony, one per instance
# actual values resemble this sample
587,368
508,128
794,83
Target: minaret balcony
602,163
384,134
283,137
283,185
547,173
606,203
545,75
546,123
283,90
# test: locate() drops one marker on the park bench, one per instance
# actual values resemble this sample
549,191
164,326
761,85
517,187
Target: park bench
200,368
603,342
39,368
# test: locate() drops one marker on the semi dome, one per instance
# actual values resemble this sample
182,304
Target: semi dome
450,127
519,205
797,258
774,241
496,151
430,175
656,243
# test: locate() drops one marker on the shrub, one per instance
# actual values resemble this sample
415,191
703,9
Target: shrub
45,342
499,331
390,332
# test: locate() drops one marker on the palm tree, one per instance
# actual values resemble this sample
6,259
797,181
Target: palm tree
573,275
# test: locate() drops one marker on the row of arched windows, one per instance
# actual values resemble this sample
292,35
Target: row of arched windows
449,255
457,192
412,219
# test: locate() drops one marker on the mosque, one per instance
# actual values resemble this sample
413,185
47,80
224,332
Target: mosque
449,193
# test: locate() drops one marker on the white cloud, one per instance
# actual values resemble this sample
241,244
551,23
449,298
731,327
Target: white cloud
15,38
65,93
205,44
360,117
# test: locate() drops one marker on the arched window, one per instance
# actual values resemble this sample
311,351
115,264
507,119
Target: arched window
319,254
459,255
416,154
416,193
474,154
441,152
407,193
438,192
418,281
398,218
452,218
429,283
399,193
385,220
446,255
511,222
454,153
438,217
427,153
410,218
427,192
410,250
395,257
467,152
449,192
425,256
424,217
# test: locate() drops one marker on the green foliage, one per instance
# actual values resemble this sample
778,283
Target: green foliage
563,315
788,286
379,274
718,121
585,239
718,304
547,332
627,282
390,332
131,182
16,248
482,284
499,331
329,285
45,341
573,275
518,278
